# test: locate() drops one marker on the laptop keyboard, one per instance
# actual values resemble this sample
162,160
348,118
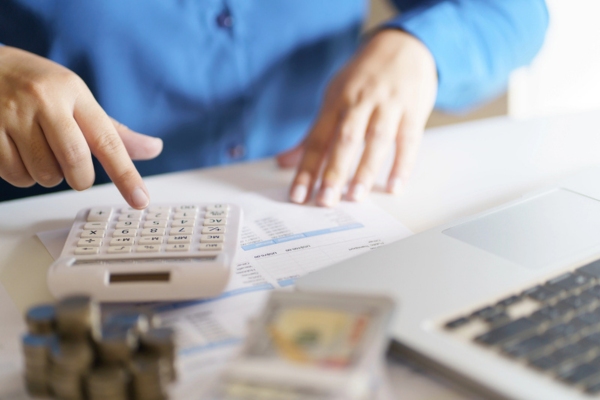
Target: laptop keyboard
553,327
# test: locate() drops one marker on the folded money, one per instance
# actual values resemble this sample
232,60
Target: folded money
311,345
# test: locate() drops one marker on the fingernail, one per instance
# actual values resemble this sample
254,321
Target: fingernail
358,192
328,197
139,198
394,186
299,193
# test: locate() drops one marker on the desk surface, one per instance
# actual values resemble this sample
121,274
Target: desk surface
462,169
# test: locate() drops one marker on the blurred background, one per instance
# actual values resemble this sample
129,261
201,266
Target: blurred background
564,77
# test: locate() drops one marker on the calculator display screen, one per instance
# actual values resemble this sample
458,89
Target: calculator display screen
140,277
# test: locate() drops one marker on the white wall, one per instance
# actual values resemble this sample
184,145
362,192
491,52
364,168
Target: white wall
565,77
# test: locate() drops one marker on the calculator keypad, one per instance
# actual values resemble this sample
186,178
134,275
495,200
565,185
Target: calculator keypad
157,229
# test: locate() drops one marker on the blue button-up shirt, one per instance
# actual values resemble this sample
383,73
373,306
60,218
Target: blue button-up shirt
228,80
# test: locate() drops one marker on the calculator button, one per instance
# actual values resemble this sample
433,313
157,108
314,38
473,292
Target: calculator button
159,209
217,207
216,238
94,225
86,250
119,249
214,221
91,242
156,224
93,233
99,214
124,232
179,239
178,247
122,241
185,215
183,222
216,213
181,230
147,248
188,207
157,216
127,224
150,240
130,216
211,246
213,229
153,232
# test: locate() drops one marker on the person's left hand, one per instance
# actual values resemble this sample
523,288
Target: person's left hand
382,98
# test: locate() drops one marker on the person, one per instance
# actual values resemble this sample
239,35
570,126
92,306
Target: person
215,82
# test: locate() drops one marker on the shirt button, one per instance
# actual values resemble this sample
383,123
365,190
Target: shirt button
237,151
224,19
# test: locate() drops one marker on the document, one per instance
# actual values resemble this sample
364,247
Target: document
280,242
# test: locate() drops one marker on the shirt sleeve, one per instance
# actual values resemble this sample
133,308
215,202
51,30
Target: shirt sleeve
475,43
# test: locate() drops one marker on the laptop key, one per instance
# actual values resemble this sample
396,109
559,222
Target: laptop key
593,388
572,303
594,290
561,331
579,374
485,311
569,282
592,270
594,338
509,301
457,323
511,330
522,348
548,313
498,319
573,350
585,320
545,363
542,293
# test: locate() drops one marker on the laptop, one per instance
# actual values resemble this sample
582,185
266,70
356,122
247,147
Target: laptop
506,301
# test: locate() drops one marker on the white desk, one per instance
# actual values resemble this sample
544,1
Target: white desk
462,170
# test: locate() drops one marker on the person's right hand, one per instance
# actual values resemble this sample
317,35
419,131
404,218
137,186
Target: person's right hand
50,125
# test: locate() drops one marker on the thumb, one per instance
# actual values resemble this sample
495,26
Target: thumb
290,158
139,146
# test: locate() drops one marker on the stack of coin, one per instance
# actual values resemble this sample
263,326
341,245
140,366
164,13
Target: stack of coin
108,382
77,317
161,342
70,354
150,375
137,322
115,346
71,361
36,351
41,319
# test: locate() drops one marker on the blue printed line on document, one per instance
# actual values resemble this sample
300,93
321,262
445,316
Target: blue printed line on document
303,235
209,346
231,293
286,282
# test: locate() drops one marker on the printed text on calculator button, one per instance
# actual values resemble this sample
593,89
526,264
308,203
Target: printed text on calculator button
213,229
124,232
153,232
211,246
211,238
179,239
93,233
89,242
181,230
99,214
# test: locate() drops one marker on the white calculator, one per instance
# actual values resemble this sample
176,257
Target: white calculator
165,252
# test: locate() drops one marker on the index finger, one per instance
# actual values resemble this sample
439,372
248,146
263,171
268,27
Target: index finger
107,146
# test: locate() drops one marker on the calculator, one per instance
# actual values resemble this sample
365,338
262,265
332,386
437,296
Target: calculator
163,253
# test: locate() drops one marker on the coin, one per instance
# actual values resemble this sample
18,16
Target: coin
107,382
116,344
40,319
77,316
